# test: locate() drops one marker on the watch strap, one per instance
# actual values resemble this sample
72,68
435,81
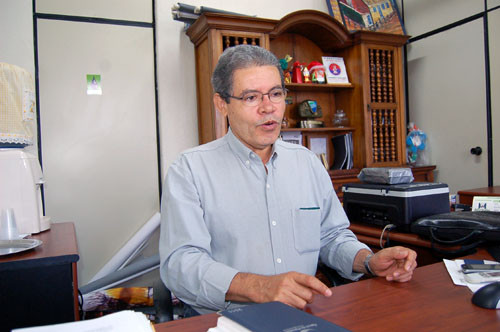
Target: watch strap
367,265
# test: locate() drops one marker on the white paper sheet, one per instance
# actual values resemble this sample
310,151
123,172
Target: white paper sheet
455,270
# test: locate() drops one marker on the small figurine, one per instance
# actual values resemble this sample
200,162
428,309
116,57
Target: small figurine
284,62
284,65
305,73
415,143
317,71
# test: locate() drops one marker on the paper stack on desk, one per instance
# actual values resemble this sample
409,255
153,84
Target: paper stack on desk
122,321
460,279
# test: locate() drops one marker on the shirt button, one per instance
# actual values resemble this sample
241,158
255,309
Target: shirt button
247,162
278,260
268,186
273,222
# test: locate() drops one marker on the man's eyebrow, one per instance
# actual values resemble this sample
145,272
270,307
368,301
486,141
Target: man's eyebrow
254,90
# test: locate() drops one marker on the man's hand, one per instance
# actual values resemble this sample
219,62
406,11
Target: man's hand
394,263
292,288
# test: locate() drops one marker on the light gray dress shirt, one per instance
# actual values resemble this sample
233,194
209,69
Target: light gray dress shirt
222,213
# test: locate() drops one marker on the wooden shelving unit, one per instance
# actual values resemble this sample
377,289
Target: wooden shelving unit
373,100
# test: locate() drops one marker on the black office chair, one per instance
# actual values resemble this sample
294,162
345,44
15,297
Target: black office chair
163,305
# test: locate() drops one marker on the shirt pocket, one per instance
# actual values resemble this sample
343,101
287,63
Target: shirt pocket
306,229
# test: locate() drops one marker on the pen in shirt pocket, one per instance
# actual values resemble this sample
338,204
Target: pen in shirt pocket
310,208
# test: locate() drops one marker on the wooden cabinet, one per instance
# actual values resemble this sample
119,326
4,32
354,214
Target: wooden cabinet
40,286
373,100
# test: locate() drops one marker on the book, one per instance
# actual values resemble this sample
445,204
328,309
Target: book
271,317
335,70
122,321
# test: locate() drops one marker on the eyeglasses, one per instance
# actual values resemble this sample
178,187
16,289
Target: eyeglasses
254,98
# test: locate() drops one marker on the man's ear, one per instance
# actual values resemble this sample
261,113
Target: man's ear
220,104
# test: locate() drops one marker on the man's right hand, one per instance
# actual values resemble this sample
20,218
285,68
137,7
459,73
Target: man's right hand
292,288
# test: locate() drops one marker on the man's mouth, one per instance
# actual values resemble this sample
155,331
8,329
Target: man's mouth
271,124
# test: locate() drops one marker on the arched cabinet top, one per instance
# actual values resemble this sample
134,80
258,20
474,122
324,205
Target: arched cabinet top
327,33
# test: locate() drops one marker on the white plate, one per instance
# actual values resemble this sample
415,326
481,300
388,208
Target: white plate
8,247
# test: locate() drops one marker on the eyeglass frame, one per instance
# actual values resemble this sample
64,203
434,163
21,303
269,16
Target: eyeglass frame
285,92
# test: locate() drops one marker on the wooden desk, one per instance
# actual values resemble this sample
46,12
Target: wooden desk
39,286
466,196
430,302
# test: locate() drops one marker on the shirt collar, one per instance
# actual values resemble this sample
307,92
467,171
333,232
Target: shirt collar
244,153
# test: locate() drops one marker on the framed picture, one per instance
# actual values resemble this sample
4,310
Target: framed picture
374,15
319,145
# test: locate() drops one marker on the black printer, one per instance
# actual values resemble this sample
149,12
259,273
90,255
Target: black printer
398,204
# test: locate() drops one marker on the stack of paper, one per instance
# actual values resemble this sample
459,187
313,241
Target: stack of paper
122,321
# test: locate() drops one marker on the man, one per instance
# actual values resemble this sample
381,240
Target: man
245,218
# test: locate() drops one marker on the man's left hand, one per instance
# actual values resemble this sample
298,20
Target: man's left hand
394,263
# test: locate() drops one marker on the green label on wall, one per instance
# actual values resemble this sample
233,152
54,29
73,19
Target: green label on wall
94,84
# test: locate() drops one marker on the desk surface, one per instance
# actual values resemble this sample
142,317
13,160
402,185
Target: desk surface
430,302
466,196
41,281
486,191
59,247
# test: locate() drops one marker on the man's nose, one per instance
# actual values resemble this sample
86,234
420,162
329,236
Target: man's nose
266,105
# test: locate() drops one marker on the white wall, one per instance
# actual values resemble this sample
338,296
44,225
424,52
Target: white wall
16,34
447,88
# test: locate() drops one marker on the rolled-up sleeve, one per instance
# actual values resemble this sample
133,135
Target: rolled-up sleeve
186,265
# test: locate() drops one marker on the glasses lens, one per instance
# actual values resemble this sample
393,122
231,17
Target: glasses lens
252,98
277,95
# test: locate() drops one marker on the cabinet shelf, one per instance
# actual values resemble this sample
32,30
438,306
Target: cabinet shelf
320,130
317,87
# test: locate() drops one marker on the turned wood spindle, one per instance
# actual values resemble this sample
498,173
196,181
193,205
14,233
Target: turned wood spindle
384,75
389,76
379,84
373,83
392,114
387,145
381,136
375,136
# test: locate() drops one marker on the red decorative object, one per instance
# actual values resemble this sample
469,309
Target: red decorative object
297,72
317,72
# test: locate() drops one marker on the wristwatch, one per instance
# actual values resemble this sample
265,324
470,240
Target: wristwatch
367,266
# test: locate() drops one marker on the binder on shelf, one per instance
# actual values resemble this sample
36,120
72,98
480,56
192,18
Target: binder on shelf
343,150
